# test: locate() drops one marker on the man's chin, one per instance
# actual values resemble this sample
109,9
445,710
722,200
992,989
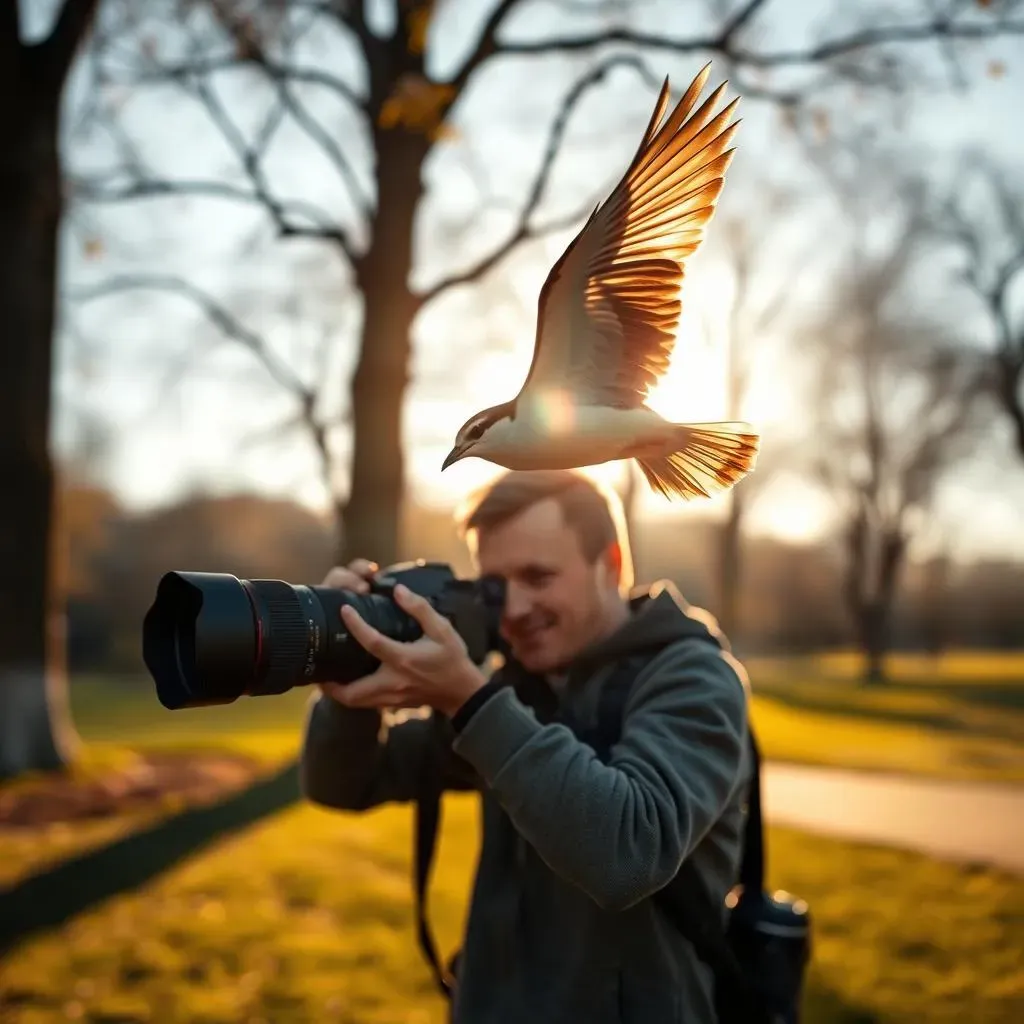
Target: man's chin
539,658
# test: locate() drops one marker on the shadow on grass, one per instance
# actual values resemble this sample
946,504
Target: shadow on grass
838,702
51,897
989,695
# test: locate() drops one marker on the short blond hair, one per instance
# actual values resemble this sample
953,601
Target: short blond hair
592,510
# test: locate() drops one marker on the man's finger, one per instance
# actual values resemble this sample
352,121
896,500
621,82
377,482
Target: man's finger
370,639
375,698
345,579
371,692
333,690
363,567
434,625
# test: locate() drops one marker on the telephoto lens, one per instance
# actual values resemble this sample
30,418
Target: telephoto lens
210,638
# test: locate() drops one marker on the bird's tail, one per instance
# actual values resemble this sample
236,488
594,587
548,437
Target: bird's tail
704,458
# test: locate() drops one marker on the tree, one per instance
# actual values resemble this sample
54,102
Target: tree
34,729
984,223
898,404
408,110
936,604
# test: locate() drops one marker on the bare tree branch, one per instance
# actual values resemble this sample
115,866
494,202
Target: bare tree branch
308,397
524,229
221,317
288,72
279,76
936,29
102,190
787,98
330,147
350,13
739,20
486,45
292,218
991,274
195,79
863,39
250,158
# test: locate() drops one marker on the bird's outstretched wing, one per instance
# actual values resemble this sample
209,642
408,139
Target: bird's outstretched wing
609,309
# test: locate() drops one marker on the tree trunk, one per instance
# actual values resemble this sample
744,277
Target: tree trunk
372,519
35,733
935,606
874,631
729,566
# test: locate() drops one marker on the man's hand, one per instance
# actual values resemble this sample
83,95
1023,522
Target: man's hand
355,577
434,670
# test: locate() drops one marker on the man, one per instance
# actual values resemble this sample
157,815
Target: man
561,928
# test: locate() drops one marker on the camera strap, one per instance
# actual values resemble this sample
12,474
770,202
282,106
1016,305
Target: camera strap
429,798
428,821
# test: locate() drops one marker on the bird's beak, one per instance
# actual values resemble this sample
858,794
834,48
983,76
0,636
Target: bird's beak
453,456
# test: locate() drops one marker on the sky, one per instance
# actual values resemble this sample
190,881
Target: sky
183,409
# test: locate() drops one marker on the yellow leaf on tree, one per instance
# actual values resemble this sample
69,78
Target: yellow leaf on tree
417,25
416,104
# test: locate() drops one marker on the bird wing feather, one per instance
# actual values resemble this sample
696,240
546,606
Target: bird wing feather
609,309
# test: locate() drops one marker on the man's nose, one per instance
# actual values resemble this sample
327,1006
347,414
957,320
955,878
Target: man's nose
517,602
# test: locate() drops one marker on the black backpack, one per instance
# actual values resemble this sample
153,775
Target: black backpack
758,951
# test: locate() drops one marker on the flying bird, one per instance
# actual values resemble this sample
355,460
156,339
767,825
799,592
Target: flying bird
607,319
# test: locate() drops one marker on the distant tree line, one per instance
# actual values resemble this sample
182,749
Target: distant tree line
792,601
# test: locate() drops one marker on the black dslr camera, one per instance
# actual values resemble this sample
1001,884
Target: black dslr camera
210,638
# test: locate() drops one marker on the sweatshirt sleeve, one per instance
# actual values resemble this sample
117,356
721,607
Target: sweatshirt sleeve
351,761
620,830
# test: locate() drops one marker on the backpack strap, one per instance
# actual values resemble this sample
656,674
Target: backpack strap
611,709
686,900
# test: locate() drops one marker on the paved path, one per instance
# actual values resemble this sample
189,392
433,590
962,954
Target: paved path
956,820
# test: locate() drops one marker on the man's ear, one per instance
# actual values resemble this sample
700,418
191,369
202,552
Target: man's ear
613,558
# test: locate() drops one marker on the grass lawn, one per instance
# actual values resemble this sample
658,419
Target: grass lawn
960,716
307,915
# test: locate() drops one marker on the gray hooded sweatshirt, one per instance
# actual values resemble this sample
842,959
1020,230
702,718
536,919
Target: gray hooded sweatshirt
561,927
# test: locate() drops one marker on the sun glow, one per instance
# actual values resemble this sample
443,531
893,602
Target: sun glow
693,388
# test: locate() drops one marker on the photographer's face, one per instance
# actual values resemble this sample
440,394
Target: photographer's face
557,601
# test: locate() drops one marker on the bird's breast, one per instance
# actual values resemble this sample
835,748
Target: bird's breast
561,435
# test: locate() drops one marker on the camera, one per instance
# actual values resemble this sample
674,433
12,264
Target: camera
210,638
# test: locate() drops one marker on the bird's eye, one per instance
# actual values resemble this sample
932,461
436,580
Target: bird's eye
475,432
